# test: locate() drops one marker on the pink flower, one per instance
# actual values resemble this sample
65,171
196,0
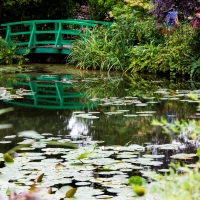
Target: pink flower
24,196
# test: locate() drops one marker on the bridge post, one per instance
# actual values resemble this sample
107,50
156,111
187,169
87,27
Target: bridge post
58,35
32,40
8,38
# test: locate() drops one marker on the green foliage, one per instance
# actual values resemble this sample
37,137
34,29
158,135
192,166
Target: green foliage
8,158
6,53
83,155
108,49
99,8
174,53
37,9
176,186
194,71
189,128
96,52
134,44
137,182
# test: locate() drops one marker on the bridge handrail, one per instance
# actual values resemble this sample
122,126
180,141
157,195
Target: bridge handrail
59,31
72,21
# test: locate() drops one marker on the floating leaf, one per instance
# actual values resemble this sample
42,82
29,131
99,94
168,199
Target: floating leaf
39,179
5,110
183,156
49,191
139,190
70,193
8,158
136,180
83,155
153,156
30,134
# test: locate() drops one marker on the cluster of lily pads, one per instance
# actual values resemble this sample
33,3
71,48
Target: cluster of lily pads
65,171
58,168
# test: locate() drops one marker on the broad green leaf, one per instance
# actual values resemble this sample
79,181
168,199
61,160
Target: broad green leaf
198,153
8,158
83,155
5,110
139,190
30,134
137,180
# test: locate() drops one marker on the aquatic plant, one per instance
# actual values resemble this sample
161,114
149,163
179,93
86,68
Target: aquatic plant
182,180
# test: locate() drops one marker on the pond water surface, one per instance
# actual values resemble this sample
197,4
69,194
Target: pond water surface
120,111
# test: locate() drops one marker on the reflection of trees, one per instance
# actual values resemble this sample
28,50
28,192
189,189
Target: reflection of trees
113,129
102,86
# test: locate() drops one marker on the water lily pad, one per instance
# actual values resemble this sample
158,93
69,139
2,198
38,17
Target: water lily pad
145,115
82,183
130,115
164,170
10,136
153,156
104,197
5,142
141,104
93,112
123,111
183,156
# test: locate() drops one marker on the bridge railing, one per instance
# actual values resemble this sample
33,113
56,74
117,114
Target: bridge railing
48,32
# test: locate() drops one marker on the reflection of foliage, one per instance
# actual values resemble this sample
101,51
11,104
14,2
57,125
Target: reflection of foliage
120,86
7,80
176,186
100,87
138,85
189,129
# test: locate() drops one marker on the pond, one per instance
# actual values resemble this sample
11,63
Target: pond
112,121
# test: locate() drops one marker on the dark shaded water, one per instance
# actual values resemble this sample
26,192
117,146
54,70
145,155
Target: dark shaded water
116,92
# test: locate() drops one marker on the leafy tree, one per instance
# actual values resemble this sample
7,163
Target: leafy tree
36,9
100,8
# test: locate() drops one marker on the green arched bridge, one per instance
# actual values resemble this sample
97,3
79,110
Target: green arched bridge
48,36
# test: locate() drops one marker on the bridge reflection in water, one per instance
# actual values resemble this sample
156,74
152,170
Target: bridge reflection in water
48,92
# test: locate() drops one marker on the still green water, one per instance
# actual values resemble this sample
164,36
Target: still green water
113,130
127,104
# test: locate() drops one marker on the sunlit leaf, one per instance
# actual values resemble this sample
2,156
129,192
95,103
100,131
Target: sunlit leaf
30,134
5,110
139,190
39,178
8,158
83,155
137,180
49,191
70,193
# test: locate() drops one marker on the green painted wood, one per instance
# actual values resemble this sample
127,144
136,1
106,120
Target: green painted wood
69,105
60,29
43,50
20,33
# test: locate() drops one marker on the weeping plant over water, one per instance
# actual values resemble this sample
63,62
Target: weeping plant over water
96,52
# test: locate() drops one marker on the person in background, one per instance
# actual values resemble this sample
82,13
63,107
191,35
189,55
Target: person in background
171,19
196,20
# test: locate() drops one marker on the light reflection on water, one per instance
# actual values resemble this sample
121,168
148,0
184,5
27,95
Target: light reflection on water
114,129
